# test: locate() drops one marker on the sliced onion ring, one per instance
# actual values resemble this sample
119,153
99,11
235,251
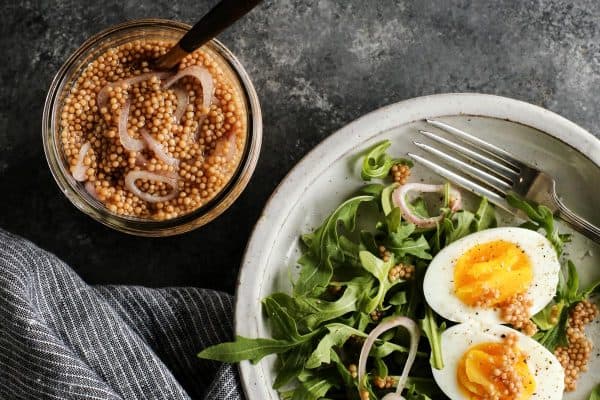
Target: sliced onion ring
140,160
158,149
399,199
200,73
127,141
414,332
91,189
79,170
226,148
133,176
182,103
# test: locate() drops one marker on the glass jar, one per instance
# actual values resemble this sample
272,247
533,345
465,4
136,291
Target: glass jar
148,29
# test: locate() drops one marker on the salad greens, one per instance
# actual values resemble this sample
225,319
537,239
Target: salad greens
552,330
377,162
434,335
595,395
552,320
344,289
540,217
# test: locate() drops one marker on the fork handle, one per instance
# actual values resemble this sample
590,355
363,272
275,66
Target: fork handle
576,222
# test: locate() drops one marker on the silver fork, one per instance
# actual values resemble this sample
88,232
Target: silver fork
493,172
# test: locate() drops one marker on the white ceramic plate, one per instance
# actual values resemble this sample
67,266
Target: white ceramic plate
330,173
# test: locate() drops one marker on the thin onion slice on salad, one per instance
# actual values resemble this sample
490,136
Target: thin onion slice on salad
399,199
414,333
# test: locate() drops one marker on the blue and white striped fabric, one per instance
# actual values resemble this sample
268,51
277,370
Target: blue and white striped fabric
63,339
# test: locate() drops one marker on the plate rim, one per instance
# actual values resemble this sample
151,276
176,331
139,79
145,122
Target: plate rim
379,120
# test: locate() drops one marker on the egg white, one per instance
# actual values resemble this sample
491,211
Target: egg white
548,373
438,284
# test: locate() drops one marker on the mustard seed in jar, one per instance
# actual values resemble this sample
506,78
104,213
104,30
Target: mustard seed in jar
153,144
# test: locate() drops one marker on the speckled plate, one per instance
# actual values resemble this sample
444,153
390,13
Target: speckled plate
330,173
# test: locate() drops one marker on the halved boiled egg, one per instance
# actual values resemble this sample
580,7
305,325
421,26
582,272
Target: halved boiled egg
496,362
486,273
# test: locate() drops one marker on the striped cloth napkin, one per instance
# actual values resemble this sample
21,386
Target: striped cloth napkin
63,339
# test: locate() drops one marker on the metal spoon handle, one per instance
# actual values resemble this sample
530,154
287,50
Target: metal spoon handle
224,14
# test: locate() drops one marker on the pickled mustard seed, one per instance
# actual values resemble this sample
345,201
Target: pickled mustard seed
575,356
206,142
401,173
515,311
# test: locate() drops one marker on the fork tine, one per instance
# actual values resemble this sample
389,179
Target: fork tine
460,180
508,172
477,173
495,151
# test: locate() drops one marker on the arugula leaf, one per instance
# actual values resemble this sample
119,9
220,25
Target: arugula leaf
394,221
433,332
292,365
568,286
373,189
337,336
367,242
384,349
377,163
350,249
555,336
398,236
419,207
324,311
246,349
294,306
458,226
418,248
591,289
402,244
342,370
398,299
313,389
284,327
543,319
375,266
568,294
595,395
380,270
413,394
380,368
485,216
415,292
362,321
571,292
541,218
435,242
386,198
316,263
425,386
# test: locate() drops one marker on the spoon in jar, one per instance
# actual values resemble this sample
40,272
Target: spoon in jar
223,15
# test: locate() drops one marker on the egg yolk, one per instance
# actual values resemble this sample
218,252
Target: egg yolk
490,273
495,371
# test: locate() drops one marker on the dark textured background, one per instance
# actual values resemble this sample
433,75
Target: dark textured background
317,65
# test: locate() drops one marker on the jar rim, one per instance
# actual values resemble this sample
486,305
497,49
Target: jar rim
144,226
